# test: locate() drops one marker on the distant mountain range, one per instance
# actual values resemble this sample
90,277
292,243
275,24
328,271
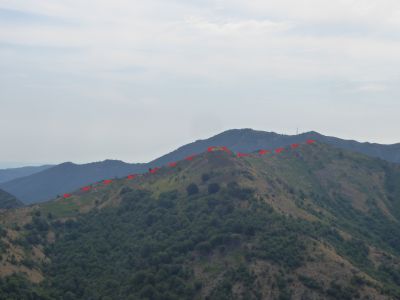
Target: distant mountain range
13,173
67,177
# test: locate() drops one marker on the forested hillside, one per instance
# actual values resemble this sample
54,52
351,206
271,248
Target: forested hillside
306,222
8,201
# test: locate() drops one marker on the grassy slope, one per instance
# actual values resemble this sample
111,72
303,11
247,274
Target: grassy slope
343,207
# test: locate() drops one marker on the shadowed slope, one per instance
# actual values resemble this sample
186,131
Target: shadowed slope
8,201
13,173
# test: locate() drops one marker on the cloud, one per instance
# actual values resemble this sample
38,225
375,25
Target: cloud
367,12
372,88
249,27
191,38
114,63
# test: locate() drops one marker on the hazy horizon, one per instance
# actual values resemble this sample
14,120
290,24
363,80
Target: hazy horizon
10,165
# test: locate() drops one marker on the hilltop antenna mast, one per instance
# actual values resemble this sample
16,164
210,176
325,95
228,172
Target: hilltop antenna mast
297,131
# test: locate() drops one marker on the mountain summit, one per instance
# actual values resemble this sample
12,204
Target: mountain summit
248,140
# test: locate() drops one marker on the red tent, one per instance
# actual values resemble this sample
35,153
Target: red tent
279,150
224,148
172,164
294,146
263,152
190,157
107,181
132,176
86,188
154,170
67,196
310,142
239,154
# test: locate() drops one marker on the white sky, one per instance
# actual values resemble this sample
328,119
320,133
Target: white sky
88,80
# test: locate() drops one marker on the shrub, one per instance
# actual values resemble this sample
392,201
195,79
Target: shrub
3,232
192,189
310,282
29,263
205,177
204,247
125,190
213,188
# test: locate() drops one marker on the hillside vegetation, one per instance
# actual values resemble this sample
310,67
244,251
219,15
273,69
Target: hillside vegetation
313,222
8,201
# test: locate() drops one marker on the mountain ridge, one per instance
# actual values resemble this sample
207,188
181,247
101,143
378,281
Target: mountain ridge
14,173
65,177
48,184
256,139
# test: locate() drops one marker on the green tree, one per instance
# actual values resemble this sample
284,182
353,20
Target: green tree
192,189
213,188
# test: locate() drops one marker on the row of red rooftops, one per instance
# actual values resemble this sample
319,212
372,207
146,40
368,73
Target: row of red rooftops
191,157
